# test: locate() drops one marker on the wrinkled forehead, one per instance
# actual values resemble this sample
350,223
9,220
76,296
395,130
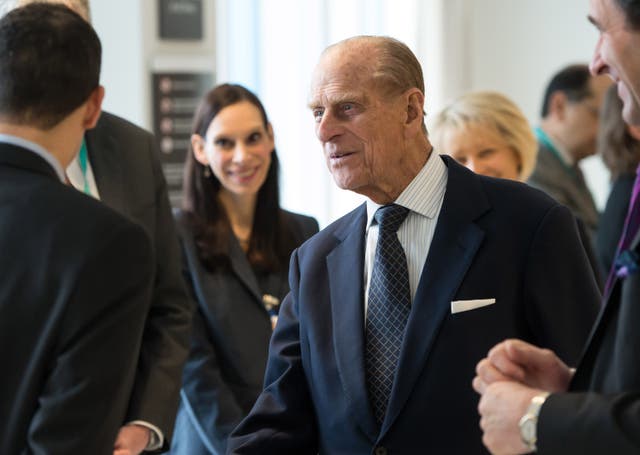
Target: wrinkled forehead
342,69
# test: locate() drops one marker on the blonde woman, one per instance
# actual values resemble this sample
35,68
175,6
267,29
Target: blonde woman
487,133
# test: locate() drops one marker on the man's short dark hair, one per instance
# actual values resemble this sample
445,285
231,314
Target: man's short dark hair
573,81
631,10
49,64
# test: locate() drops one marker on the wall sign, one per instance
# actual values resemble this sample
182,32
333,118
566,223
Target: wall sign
175,99
180,19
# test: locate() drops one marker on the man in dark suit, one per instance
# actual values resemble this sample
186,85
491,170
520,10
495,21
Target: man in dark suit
119,164
567,135
76,276
530,398
377,342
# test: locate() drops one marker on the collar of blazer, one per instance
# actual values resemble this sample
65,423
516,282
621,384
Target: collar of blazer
12,155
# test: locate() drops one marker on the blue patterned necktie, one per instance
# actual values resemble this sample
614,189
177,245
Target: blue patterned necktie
387,310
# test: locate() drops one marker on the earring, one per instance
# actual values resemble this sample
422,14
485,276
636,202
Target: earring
207,172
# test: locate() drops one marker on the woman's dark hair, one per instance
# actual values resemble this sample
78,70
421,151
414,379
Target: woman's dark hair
270,244
619,150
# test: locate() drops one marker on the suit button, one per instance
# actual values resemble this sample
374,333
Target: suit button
380,451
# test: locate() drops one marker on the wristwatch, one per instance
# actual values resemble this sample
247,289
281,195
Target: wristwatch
529,422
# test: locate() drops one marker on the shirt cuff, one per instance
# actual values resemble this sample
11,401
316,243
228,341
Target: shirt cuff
156,438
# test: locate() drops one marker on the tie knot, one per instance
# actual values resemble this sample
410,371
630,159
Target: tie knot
390,217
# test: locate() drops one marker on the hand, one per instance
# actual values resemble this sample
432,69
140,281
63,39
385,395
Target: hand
516,360
131,440
501,407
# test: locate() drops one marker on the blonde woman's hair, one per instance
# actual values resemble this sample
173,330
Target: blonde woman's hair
493,110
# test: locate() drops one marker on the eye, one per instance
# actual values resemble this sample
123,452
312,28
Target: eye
317,114
347,107
486,153
254,138
223,143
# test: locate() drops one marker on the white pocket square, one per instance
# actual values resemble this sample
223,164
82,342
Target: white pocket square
458,306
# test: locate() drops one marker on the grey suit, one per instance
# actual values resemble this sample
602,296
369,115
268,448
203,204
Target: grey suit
567,186
230,340
129,178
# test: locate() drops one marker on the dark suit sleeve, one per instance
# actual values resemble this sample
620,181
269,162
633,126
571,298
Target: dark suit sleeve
94,361
282,419
582,423
165,343
562,298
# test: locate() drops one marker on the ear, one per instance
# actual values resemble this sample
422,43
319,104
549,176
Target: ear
557,105
198,145
94,108
272,139
415,111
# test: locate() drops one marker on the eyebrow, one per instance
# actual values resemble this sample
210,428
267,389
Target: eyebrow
346,97
595,23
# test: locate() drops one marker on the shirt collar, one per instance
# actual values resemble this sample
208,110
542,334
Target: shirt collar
37,149
424,193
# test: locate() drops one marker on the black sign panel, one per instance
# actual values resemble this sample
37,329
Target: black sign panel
175,99
180,19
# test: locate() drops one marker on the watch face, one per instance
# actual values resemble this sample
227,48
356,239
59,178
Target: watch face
528,430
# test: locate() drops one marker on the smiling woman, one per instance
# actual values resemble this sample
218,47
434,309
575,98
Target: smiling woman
236,243
487,133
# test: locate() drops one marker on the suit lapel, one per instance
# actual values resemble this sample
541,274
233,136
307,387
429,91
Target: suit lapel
590,350
241,267
454,245
106,162
345,268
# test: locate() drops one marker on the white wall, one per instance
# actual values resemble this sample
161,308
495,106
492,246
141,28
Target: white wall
509,45
128,30
515,46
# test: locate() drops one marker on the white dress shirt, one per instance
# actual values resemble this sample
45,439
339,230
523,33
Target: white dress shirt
423,197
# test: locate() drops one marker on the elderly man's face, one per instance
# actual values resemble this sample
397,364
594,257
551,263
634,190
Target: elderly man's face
361,130
617,55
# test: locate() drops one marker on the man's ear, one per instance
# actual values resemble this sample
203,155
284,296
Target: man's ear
197,144
415,111
557,104
94,108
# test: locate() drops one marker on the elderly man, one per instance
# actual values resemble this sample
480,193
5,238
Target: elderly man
530,398
392,305
76,276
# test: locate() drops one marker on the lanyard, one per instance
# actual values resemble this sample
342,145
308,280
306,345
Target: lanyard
546,141
82,160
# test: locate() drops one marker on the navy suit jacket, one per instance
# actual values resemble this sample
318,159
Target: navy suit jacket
75,291
494,239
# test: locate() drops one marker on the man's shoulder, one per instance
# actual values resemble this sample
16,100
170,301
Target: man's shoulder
548,169
118,125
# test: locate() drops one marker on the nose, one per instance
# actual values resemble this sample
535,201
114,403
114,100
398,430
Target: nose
328,127
240,152
597,65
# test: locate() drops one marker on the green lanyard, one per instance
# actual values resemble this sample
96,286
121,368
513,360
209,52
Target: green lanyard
542,137
82,160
